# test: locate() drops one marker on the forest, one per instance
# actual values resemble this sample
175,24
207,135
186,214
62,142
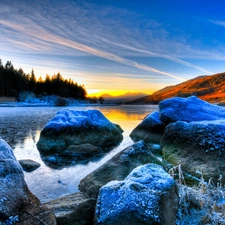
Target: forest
13,82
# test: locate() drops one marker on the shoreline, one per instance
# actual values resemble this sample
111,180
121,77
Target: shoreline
24,104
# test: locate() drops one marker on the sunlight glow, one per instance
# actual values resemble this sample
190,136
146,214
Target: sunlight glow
114,93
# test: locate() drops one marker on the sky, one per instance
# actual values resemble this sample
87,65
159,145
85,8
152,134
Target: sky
115,46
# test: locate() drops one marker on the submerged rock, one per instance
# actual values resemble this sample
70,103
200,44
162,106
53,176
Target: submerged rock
149,130
198,146
29,165
73,209
147,196
189,109
82,150
15,198
117,168
71,127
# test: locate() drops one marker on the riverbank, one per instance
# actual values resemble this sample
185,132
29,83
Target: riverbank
44,104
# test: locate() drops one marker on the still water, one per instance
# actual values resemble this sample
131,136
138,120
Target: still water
21,127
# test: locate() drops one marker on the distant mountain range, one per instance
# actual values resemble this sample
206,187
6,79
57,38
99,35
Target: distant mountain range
129,96
210,88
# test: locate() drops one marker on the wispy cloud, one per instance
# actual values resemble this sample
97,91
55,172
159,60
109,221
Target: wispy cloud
217,22
154,54
78,27
39,33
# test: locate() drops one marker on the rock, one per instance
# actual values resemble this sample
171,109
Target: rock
73,209
16,201
154,148
117,168
198,146
118,127
71,127
82,150
189,109
149,130
29,165
147,196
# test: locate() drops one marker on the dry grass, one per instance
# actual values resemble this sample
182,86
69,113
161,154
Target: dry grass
203,204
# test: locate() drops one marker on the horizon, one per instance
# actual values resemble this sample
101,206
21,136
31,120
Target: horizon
101,94
114,47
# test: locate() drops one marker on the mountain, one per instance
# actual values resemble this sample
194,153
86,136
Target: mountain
210,88
129,96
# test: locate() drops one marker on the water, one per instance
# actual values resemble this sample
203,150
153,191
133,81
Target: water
21,127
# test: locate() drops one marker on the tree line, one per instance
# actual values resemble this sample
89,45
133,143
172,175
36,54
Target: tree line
15,81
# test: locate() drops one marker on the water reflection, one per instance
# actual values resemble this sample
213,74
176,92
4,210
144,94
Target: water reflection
21,127
59,161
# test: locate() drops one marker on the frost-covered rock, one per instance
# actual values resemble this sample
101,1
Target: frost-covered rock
117,168
70,127
74,209
198,146
189,109
147,196
29,165
149,130
16,201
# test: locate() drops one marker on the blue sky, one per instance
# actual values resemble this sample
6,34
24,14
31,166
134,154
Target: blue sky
115,46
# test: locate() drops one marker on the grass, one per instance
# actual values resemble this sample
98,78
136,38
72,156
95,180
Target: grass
203,204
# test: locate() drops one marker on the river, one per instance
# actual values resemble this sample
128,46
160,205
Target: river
21,127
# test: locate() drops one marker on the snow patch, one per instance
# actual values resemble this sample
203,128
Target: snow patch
67,117
189,109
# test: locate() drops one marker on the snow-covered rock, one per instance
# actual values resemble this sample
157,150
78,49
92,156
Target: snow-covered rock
189,109
198,146
147,196
117,168
149,130
70,127
15,198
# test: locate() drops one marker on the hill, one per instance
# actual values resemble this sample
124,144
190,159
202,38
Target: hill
210,88
129,96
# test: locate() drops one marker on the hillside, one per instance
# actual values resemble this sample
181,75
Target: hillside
129,96
210,88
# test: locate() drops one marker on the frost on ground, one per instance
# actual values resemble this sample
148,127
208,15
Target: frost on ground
203,204
10,221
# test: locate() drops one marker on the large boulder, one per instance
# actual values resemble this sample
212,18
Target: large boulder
147,196
198,146
16,201
117,168
73,209
149,130
189,109
70,127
